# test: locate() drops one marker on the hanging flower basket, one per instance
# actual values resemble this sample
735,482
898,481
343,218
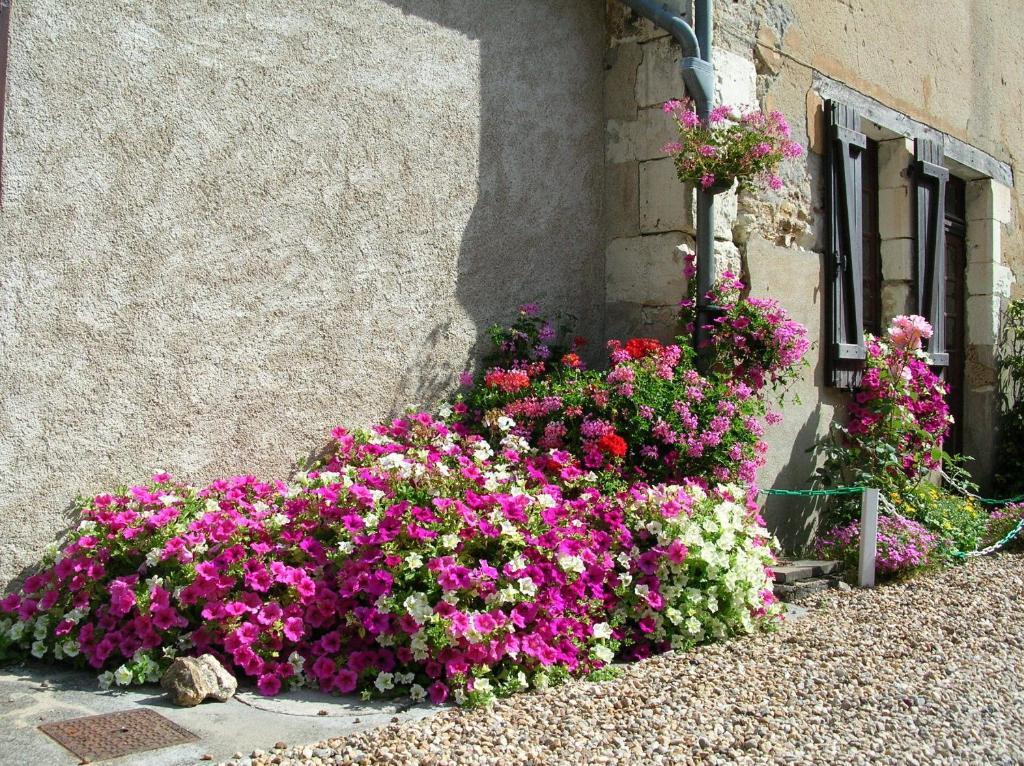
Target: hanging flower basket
729,147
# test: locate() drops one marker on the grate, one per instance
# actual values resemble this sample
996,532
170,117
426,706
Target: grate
99,737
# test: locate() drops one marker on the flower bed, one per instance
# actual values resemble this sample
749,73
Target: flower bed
903,545
551,520
414,560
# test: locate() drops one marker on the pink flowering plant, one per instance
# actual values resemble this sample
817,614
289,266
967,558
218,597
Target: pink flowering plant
728,145
904,546
415,558
1001,522
650,416
897,419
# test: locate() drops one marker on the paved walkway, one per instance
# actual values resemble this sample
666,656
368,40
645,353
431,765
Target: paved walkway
30,696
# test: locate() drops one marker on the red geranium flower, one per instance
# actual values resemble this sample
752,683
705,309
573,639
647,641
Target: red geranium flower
638,348
572,360
612,444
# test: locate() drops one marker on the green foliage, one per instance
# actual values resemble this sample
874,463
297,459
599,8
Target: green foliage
1009,475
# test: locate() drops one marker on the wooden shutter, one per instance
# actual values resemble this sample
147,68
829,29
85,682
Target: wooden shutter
845,259
930,178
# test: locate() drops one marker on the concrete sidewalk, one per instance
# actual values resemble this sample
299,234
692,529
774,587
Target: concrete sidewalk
32,695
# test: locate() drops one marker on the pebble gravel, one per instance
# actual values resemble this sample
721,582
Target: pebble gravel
930,671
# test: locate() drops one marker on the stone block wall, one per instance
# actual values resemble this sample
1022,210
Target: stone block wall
649,214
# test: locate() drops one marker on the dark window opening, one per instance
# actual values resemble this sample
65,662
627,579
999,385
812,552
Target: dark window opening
956,307
872,241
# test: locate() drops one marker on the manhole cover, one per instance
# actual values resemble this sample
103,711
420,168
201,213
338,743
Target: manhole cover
98,737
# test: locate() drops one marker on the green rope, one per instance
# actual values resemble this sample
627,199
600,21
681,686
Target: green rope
813,492
992,501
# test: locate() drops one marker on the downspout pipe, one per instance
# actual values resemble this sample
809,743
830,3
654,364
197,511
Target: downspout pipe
707,313
699,78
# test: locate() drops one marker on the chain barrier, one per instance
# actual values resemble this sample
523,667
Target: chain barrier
813,492
887,504
983,500
890,508
995,546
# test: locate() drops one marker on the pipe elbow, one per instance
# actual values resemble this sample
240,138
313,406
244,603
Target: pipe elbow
659,14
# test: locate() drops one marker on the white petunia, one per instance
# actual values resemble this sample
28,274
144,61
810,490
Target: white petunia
38,649
528,587
603,653
417,692
572,564
104,680
602,630
385,681
123,676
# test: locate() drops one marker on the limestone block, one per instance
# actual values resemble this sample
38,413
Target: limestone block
989,279
666,204
894,158
726,211
727,258
982,320
735,81
895,212
897,298
639,139
767,57
621,202
624,25
984,241
633,320
989,199
659,78
789,276
621,64
981,369
646,270
898,259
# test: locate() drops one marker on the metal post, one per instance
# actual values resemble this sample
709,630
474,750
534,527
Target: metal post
868,538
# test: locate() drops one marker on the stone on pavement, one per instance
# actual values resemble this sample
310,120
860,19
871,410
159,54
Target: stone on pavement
190,680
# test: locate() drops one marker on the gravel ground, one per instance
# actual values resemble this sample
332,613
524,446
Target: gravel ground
919,673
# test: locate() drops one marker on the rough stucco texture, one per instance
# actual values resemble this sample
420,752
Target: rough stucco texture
231,226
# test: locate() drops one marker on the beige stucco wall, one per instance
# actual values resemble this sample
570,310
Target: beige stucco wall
231,225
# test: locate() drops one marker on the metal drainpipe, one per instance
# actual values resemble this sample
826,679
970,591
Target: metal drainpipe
699,78
706,313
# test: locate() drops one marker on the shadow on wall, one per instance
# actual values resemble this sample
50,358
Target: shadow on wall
534,233
796,521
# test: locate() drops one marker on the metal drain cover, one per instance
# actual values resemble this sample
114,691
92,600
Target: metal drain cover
99,737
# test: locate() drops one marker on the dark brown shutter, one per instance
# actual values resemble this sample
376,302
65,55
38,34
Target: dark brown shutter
930,178
5,33
845,258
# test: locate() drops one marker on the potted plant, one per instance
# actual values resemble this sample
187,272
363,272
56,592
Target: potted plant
729,147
